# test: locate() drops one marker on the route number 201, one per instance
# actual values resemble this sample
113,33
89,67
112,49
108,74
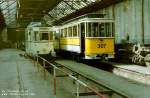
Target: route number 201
101,45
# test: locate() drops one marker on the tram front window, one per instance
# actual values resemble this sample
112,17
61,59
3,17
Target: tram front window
92,30
43,36
99,30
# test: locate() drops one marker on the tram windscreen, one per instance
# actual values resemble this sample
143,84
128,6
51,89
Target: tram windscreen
43,36
99,29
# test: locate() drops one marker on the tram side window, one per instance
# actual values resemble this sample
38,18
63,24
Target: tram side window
70,32
61,33
55,35
75,31
65,32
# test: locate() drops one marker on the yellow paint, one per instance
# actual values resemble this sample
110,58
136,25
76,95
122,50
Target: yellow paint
92,46
69,41
99,46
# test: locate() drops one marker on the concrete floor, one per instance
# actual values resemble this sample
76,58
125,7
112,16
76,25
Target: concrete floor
19,78
126,87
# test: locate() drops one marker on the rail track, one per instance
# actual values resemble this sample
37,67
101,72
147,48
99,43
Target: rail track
82,74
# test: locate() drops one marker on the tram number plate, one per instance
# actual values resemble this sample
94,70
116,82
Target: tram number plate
101,45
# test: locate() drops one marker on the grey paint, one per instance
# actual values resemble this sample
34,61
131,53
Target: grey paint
147,21
128,20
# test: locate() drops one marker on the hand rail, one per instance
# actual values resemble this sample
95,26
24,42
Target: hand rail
68,74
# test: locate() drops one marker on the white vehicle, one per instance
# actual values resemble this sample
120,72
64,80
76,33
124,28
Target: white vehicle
39,40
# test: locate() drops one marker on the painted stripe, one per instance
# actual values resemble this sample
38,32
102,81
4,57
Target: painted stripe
71,48
70,41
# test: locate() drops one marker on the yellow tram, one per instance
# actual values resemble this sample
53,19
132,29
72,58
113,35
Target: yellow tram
89,36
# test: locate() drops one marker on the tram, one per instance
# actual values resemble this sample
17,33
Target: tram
39,40
90,36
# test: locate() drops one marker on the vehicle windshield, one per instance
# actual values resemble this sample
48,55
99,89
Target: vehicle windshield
39,36
95,29
43,36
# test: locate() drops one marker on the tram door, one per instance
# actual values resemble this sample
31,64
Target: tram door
82,38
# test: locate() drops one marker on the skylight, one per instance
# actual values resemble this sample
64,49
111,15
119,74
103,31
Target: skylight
9,10
65,8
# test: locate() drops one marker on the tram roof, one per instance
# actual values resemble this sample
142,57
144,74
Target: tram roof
88,18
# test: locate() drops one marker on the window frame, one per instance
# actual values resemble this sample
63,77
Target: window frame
108,33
